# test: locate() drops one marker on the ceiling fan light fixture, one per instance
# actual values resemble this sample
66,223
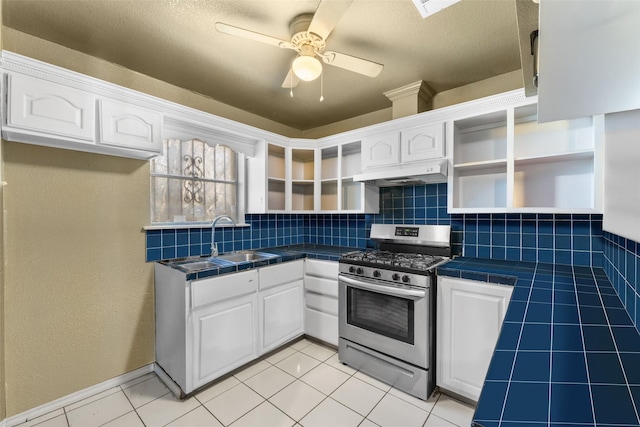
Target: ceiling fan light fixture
306,67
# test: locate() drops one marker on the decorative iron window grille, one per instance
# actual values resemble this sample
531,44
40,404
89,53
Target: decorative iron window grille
193,181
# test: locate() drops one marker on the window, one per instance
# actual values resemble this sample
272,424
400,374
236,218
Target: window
194,181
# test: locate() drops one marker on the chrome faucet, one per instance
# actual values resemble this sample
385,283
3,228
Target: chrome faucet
214,245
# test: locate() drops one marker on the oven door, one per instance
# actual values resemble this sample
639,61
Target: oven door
389,319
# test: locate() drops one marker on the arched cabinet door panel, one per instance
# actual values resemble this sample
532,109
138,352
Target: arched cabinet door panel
42,107
129,126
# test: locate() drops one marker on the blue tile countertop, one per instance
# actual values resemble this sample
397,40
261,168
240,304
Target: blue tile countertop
282,254
568,353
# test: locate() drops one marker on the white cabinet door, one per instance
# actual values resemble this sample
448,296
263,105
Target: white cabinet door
381,150
224,337
50,109
129,126
469,318
281,317
588,58
422,143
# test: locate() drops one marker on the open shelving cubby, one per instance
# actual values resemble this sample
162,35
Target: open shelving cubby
302,179
351,165
480,161
505,161
276,171
329,169
553,162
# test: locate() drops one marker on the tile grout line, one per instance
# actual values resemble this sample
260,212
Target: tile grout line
513,364
615,344
584,348
553,288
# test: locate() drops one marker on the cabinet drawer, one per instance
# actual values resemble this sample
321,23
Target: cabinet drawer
321,326
322,286
322,303
50,108
320,268
217,289
278,274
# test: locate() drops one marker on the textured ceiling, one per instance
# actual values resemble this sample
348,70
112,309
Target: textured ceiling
175,41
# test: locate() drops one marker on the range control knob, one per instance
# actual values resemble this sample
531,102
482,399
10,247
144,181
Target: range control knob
359,270
352,269
395,276
376,273
405,278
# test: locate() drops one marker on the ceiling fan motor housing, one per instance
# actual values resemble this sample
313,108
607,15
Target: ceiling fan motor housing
304,42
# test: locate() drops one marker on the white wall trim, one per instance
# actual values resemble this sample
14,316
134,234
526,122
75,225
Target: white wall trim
77,396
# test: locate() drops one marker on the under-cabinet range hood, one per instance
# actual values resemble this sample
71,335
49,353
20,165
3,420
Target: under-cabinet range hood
423,173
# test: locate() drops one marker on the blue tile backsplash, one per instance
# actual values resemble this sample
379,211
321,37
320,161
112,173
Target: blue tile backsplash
560,239
621,257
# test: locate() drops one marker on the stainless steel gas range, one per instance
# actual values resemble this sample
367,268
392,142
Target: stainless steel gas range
387,305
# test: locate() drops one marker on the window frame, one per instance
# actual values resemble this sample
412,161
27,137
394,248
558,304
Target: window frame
240,185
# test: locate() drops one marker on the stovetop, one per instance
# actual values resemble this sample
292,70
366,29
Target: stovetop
403,261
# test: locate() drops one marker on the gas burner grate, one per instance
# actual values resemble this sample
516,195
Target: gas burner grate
405,260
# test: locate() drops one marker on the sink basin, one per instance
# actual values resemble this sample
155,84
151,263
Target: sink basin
245,256
190,266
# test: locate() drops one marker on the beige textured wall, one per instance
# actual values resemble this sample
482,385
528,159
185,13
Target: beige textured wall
499,84
2,268
79,293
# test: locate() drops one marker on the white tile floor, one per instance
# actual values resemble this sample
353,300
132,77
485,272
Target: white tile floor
300,385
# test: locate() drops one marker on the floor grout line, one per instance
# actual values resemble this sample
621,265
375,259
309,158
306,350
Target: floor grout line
321,364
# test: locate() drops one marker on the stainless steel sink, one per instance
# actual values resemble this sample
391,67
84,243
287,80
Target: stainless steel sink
198,265
245,256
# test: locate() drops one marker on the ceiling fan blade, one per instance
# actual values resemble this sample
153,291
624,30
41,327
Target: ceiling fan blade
252,35
291,80
327,16
352,63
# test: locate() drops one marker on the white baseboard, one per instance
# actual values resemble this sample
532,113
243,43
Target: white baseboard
75,397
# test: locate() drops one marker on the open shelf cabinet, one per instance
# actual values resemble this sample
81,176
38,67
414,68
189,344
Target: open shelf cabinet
505,161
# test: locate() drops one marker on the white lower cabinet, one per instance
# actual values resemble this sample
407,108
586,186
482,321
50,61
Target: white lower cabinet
206,328
224,337
321,300
280,304
469,318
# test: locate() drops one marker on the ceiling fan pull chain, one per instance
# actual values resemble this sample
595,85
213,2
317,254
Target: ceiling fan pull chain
291,81
321,87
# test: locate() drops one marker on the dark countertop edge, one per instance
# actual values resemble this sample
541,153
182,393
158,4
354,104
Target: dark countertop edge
283,254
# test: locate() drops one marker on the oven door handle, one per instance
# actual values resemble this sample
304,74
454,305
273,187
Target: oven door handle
413,294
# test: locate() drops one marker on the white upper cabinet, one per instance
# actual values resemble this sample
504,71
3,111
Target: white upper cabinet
505,161
396,148
45,112
381,150
589,62
129,126
303,179
38,108
422,143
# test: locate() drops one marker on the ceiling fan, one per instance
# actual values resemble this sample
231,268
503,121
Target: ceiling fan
309,33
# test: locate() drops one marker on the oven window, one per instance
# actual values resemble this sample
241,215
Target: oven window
387,315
